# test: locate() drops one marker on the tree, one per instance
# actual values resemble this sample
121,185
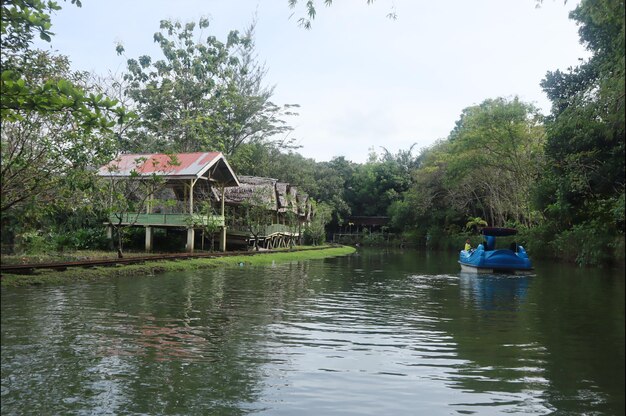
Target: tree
201,96
475,223
584,181
207,222
258,212
26,84
55,126
315,231
375,185
245,113
42,150
494,159
311,11
332,182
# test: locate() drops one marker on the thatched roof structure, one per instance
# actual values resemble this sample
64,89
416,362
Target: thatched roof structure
286,197
253,189
278,196
304,205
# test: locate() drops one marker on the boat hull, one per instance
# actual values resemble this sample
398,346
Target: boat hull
495,261
486,270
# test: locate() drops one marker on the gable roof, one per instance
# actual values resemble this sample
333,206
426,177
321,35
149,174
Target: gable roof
210,166
253,187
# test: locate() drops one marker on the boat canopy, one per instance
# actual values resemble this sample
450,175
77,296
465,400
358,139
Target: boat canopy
498,231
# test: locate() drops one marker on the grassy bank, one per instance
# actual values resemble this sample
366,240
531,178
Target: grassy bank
155,267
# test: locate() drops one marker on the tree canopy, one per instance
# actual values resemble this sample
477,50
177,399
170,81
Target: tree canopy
203,94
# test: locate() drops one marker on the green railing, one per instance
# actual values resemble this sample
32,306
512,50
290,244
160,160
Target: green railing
172,220
268,230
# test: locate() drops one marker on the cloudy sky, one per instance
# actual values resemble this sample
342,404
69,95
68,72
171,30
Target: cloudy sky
362,80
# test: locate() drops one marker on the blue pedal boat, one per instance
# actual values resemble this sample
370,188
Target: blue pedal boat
487,259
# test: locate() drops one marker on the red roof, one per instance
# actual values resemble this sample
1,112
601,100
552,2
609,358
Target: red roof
172,166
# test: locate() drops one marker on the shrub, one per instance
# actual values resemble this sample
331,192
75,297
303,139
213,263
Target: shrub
587,244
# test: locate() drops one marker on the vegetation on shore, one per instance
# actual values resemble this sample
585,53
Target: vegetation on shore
154,267
559,179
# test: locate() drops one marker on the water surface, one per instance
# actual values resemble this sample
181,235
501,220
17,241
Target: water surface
392,332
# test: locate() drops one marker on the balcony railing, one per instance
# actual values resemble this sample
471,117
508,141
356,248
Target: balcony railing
268,230
168,220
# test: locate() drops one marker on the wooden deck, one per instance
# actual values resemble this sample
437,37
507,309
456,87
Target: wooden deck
271,237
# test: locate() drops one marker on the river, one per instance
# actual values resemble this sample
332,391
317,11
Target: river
375,333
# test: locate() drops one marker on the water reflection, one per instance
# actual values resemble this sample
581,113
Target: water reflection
494,291
379,333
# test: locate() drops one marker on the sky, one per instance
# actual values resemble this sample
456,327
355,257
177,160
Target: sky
363,81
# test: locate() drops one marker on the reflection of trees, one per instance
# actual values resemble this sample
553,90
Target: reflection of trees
195,339
583,332
491,328
186,344
550,338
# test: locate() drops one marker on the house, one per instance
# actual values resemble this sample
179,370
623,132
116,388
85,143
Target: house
288,211
169,184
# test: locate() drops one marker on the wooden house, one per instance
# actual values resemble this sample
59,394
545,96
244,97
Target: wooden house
183,179
288,211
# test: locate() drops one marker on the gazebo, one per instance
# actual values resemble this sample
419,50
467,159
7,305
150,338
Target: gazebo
183,175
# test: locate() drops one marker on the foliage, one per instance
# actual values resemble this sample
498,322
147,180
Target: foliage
473,224
258,213
315,232
55,125
583,185
30,83
495,157
375,185
202,95
206,221
310,11
45,150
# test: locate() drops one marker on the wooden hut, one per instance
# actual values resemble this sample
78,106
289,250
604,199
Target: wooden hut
279,198
183,178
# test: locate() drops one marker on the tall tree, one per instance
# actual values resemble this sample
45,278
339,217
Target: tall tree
494,160
585,147
55,127
245,113
204,94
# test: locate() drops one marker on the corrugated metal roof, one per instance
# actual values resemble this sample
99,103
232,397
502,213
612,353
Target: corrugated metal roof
174,166
179,164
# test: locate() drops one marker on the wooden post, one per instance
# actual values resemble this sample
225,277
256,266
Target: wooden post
190,238
223,233
149,239
192,183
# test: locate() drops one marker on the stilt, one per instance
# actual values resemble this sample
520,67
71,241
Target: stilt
149,239
190,238
223,239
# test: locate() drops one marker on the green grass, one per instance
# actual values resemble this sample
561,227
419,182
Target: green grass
154,267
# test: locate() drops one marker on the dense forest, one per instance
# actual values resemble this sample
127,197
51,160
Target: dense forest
559,178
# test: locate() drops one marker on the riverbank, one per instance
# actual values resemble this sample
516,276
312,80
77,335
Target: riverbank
149,268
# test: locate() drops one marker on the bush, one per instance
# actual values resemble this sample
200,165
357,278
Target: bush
314,234
372,239
33,242
538,241
587,244
83,239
